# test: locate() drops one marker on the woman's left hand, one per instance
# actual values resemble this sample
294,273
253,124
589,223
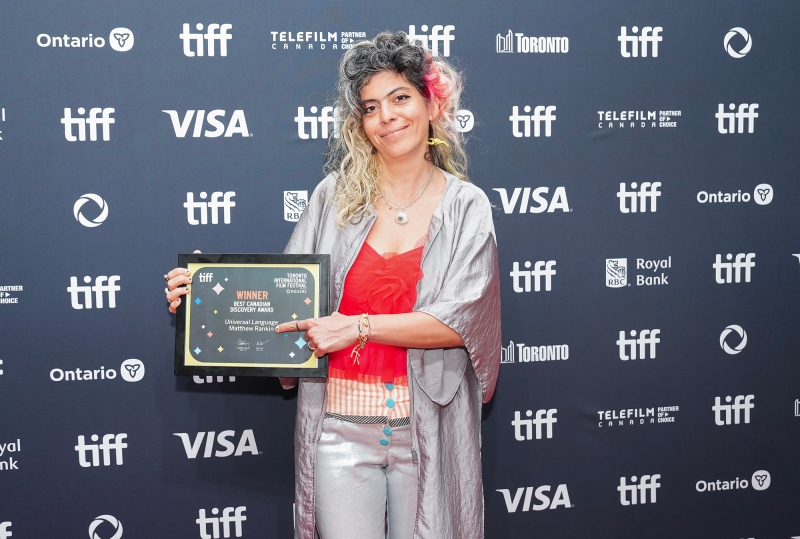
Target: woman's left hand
326,334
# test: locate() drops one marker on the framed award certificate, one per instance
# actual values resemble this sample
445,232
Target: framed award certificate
226,323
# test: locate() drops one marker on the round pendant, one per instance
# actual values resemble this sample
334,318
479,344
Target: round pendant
401,218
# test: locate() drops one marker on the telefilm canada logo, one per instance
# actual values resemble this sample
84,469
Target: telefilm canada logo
762,195
119,39
285,40
105,527
637,119
521,353
631,417
10,293
651,272
517,42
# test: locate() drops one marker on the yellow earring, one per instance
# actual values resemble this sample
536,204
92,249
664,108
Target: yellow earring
433,141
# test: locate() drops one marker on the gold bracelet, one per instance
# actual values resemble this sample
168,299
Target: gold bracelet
363,337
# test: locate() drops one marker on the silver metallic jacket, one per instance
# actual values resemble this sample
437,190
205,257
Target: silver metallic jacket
461,288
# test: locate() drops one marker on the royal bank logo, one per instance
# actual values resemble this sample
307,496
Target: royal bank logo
101,213
464,121
523,496
629,417
105,527
97,117
219,201
733,122
214,124
640,490
9,294
641,198
632,119
294,204
110,449
543,116
221,524
309,41
441,35
532,279
762,195
616,272
520,43
740,342
219,444
209,43
649,272
735,410
120,40
8,451
533,200
734,270
104,287
641,347
521,353
313,126
737,38
644,44
760,480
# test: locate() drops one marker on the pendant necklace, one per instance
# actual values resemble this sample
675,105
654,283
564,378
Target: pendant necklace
402,217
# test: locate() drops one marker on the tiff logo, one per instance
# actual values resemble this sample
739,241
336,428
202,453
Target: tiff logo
628,493
5,530
637,201
543,418
733,122
542,268
319,126
541,114
96,116
629,45
647,341
215,33
102,283
230,515
439,34
731,271
725,414
212,379
206,277
110,442
218,200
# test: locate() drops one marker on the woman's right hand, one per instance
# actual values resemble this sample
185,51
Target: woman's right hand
178,282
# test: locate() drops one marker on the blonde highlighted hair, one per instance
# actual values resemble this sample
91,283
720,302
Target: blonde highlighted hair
351,156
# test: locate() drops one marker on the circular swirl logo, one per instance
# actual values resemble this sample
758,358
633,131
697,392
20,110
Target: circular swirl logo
103,519
742,336
748,42
97,221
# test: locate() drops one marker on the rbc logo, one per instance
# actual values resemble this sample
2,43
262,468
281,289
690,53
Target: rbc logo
733,122
646,483
215,33
96,116
218,200
439,34
294,204
650,34
237,123
102,284
110,442
230,515
541,114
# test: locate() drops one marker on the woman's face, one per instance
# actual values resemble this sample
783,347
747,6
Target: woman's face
396,117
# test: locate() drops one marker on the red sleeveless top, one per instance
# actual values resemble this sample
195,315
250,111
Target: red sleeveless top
377,284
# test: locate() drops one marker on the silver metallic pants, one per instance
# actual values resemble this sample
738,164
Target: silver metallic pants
363,487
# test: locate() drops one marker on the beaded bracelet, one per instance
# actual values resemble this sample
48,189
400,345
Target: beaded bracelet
363,337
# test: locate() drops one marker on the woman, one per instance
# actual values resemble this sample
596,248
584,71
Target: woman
392,438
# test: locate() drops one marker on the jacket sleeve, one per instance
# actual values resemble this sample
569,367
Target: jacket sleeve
469,303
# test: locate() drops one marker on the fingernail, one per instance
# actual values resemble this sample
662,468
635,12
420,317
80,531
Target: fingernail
190,279
187,272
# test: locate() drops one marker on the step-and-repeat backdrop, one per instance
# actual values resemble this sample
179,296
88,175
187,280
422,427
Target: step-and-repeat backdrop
642,160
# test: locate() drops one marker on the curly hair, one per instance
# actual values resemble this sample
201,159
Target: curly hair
351,156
